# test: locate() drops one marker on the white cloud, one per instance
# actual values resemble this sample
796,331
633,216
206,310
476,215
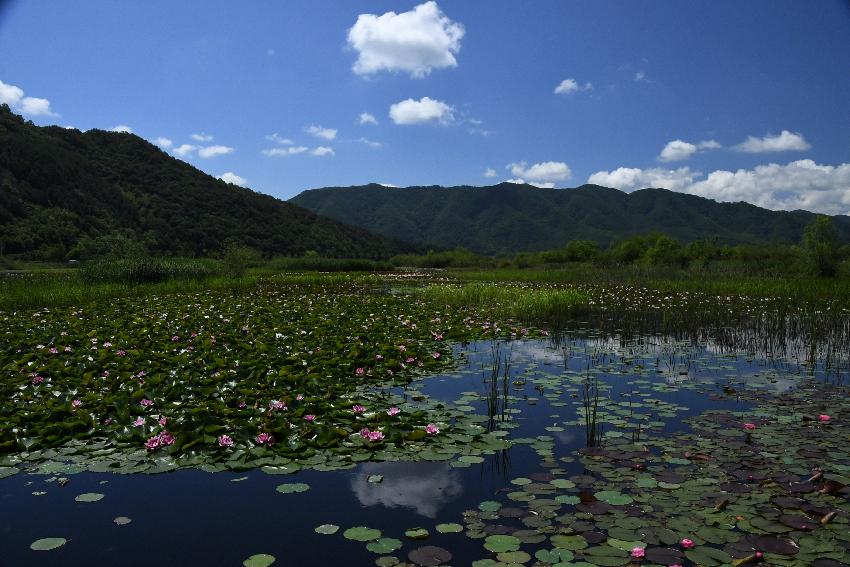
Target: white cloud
423,111
289,151
679,150
786,141
520,181
540,173
278,139
371,143
319,132
233,179
390,185
163,142
202,137
629,179
122,128
32,106
801,184
214,151
366,118
568,86
322,151
416,42
184,149
641,76
489,172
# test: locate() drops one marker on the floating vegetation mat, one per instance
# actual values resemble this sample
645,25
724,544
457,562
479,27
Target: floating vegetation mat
349,426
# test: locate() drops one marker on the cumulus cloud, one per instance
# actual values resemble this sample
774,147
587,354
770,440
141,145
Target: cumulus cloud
184,150
121,128
288,151
568,86
423,111
32,106
322,151
421,487
801,184
319,132
640,76
414,42
489,172
371,143
233,179
541,174
629,179
163,142
214,151
202,137
679,150
366,118
784,142
275,137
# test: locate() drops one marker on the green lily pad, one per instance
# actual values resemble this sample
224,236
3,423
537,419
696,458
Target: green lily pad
122,521
501,543
361,533
384,545
89,497
449,528
416,533
48,543
326,529
294,487
259,560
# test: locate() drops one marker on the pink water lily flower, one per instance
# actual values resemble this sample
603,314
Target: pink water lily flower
265,439
376,435
393,411
277,405
76,403
357,408
686,543
299,397
750,426
225,441
436,355
309,417
823,418
432,429
37,380
166,438
144,402
360,371
638,552
140,421
152,443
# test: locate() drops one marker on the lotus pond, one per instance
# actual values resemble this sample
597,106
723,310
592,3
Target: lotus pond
349,423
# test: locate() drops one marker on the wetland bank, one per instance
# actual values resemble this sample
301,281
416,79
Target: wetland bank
412,418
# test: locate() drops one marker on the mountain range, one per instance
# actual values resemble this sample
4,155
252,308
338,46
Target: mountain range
508,218
61,190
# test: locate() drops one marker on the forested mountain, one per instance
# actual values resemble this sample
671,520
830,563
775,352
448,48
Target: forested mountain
509,218
63,191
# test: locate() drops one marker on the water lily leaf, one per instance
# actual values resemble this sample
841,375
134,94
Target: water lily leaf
417,533
259,560
513,557
326,529
429,556
122,521
708,556
290,488
500,543
375,478
48,543
384,545
89,497
449,528
361,533
387,561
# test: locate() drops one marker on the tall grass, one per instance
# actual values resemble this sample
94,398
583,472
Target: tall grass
508,300
143,270
319,264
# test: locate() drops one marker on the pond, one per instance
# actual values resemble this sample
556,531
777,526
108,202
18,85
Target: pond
604,449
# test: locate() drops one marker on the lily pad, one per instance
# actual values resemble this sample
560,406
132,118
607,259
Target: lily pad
89,497
361,533
48,543
429,556
259,560
294,487
326,529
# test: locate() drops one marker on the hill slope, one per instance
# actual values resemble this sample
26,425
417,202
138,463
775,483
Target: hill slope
60,188
510,218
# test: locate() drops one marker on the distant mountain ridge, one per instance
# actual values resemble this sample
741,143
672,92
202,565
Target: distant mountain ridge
61,188
508,218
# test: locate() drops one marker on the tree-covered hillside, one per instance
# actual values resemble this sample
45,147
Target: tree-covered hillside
509,218
64,192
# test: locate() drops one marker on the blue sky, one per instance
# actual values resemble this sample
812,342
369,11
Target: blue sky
750,99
